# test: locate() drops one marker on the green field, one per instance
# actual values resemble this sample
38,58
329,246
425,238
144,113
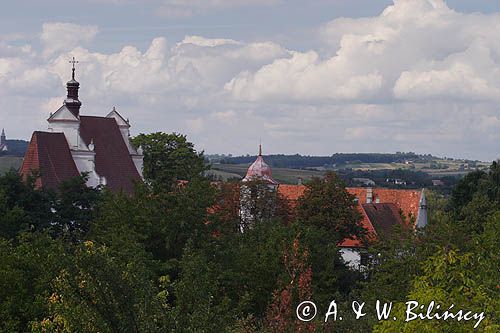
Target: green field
282,175
437,169
441,167
10,162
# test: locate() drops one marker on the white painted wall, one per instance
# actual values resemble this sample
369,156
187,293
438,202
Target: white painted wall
85,162
71,132
351,257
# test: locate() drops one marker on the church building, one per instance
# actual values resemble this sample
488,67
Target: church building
381,209
73,144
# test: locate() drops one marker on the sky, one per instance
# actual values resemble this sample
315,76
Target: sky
313,77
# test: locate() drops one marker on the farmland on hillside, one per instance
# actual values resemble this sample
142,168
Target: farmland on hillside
10,162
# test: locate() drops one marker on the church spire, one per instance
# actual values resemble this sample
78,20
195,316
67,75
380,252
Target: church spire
3,141
73,62
72,102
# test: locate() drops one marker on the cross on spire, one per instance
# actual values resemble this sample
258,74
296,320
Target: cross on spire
73,62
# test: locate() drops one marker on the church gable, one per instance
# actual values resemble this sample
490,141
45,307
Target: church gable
120,121
63,114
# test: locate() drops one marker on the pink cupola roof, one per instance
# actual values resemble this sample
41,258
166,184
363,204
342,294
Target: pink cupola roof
259,170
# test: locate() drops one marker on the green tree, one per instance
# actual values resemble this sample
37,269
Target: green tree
260,203
74,208
22,207
475,198
327,205
100,291
253,264
458,259
200,302
162,222
169,158
451,278
27,267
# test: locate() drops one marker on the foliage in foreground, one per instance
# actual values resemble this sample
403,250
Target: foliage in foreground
171,258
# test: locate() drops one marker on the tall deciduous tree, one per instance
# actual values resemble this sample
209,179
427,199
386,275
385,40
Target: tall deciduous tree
169,158
22,207
200,302
74,208
28,265
327,205
295,288
100,291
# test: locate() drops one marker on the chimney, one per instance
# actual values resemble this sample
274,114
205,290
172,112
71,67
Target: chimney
369,195
422,211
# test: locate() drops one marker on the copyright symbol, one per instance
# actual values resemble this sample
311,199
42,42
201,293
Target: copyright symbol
306,311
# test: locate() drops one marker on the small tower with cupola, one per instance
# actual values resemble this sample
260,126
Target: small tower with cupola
257,193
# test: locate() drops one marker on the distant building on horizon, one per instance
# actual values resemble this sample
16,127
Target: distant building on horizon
3,141
74,144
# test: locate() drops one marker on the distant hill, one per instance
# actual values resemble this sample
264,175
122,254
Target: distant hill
16,148
302,161
13,158
398,170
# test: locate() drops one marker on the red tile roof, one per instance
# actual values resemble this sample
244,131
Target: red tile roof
291,192
383,216
113,160
406,200
49,154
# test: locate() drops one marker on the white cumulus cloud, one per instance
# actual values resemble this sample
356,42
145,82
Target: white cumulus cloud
415,49
58,37
420,76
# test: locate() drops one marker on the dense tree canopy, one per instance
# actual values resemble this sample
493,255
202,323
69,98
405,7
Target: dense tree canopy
171,257
169,158
327,205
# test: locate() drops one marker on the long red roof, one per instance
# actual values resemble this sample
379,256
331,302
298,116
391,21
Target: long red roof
49,155
112,160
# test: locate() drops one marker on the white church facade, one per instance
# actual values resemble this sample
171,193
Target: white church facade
98,147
